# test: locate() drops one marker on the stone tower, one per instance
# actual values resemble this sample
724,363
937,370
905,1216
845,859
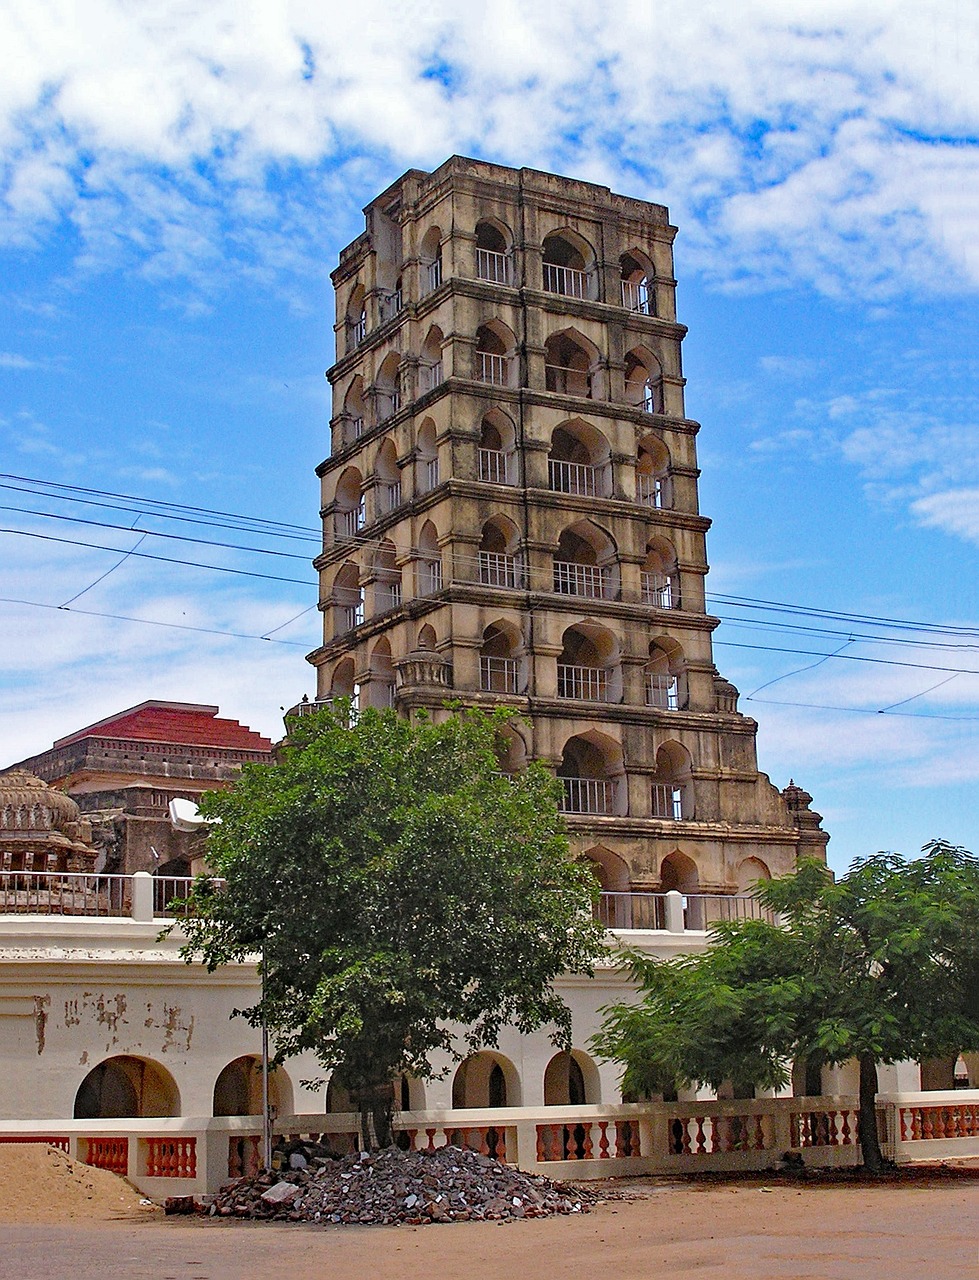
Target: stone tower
510,516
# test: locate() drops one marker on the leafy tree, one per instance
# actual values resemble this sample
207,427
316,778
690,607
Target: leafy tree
881,965
394,881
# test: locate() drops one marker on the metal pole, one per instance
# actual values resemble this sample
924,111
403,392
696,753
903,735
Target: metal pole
266,1113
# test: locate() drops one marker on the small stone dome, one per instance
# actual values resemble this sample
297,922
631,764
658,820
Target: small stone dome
41,828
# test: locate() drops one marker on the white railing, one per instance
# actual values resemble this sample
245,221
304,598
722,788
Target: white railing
434,274
700,910
492,266
586,684
431,376
659,591
567,280
390,403
632,910
662,691
653,491
351,615
390,494
387,596
383,694
572,579
492,368
308,708
588,795
638,296
493,466
580,478
69,893
357,424
350,523
498,675
649,397
429,577
359,329
666,801
497,569
431,473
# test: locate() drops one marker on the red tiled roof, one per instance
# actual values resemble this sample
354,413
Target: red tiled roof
184,723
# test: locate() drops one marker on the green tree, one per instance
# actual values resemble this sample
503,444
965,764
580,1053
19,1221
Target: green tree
394,881
879,966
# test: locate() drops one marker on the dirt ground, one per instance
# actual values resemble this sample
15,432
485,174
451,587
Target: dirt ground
710,1232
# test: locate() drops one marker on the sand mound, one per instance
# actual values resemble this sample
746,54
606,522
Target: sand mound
39,1183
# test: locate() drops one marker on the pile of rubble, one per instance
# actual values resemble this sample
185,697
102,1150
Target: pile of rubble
392,1186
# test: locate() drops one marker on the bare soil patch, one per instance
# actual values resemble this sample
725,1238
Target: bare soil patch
39,1183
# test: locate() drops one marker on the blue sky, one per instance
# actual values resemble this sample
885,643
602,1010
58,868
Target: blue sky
176,181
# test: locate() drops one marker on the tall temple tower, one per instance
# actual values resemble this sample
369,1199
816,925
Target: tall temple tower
510,516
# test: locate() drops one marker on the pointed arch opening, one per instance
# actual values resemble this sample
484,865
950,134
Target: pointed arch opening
350,514
500,655
493,241
585,563
356,317
569,265
430,373
654,487
429,560
498,554
495,354
380,688
497,442
387,476
638,290
665,675
387,388
355,407
426,458
589,666
571,362
671,788
580,460
659,578
431,260
592,773
348,597
643,381
386,577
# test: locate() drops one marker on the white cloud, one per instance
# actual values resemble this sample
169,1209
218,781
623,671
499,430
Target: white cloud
833,143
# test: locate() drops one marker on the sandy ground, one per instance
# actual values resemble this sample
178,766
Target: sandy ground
41,1184
715,1232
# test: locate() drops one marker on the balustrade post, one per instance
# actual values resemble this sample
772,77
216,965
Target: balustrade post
523,1135
142,908
674,911
781,1121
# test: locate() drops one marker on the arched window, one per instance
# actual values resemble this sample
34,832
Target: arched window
580,460
666,682
492,260
571,1080
343,684
588,668
585,563
380,690
350,515
638,292
430,373
495,347
388,478
387,577
678,873
427,639
658,576
653,486
496,447
643,381
617,907
429,561
427,458
355,407
570,361
592,774
672,790
387,390
498,547
348,598
499,658
356,318
126,1086
750,873
568,265
238,1089
486,1079
431,260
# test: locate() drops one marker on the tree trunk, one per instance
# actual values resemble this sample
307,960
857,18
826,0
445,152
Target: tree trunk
376,1113
873,1160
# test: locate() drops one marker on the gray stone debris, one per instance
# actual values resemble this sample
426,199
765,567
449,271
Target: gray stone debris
388,1187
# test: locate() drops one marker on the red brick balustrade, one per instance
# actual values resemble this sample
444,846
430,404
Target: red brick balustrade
924,1123
171,1157
109,1153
